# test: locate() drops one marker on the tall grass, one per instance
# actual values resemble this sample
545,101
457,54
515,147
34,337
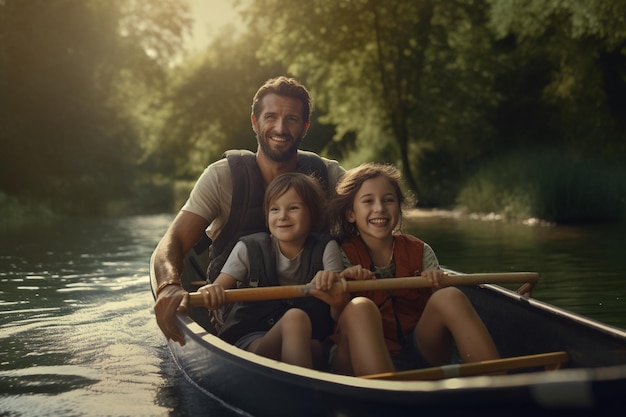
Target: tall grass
547,185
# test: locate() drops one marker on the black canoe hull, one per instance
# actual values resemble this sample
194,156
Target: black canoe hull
592,383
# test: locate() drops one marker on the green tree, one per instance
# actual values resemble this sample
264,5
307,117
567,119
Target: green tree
206,109
69,69
407,77
566,80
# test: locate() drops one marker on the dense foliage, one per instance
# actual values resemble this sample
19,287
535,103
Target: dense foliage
99,103
76,78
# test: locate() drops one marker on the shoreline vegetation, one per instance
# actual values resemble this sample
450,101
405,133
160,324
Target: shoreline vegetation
18,216
510,110
533,188
16,213
546,185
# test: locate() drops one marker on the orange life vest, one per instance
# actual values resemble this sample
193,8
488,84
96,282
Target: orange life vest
400,309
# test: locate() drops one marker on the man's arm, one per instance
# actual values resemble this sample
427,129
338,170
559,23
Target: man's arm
168,258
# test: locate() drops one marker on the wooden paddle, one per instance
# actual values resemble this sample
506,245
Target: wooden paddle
550,361
297,291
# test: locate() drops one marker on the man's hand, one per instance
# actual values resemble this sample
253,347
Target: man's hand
168,257
170,300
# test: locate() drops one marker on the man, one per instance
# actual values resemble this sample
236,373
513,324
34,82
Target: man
280,118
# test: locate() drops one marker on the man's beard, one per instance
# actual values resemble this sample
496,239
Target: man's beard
278,156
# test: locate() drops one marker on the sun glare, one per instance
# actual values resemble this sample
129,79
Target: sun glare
210,16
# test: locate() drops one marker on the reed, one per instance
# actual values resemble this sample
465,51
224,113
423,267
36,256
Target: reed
547,185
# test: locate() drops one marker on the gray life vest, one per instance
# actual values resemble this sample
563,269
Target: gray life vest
253,316
246,213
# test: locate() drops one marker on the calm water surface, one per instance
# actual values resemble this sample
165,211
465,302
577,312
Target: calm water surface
78,335
77,332
581,269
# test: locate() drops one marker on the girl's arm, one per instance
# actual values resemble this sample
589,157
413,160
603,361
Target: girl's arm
357,272
337,296
430,267
434,277
430,260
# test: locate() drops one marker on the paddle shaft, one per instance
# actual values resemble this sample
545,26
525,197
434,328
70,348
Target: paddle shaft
550,361
297,291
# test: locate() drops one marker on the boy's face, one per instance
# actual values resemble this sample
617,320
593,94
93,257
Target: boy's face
289,219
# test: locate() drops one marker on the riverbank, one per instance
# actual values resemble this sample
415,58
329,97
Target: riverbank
417,213
546,184
15,213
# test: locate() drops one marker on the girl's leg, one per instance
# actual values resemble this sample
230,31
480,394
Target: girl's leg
448,316
289,340
361,348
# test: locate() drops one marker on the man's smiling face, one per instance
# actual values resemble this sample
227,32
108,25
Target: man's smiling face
280,127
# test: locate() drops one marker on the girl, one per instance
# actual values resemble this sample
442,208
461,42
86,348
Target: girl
295,252
419,324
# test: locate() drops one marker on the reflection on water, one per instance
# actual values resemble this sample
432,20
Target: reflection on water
77,332
78,335
581,268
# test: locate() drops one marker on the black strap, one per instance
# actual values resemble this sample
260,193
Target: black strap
399,333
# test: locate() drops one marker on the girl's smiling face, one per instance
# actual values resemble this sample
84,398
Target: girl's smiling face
376,209
289,219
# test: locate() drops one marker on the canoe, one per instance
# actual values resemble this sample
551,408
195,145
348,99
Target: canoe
591,379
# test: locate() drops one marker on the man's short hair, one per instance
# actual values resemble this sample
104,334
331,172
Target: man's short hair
286,87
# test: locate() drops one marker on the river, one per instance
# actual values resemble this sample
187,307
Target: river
78,335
